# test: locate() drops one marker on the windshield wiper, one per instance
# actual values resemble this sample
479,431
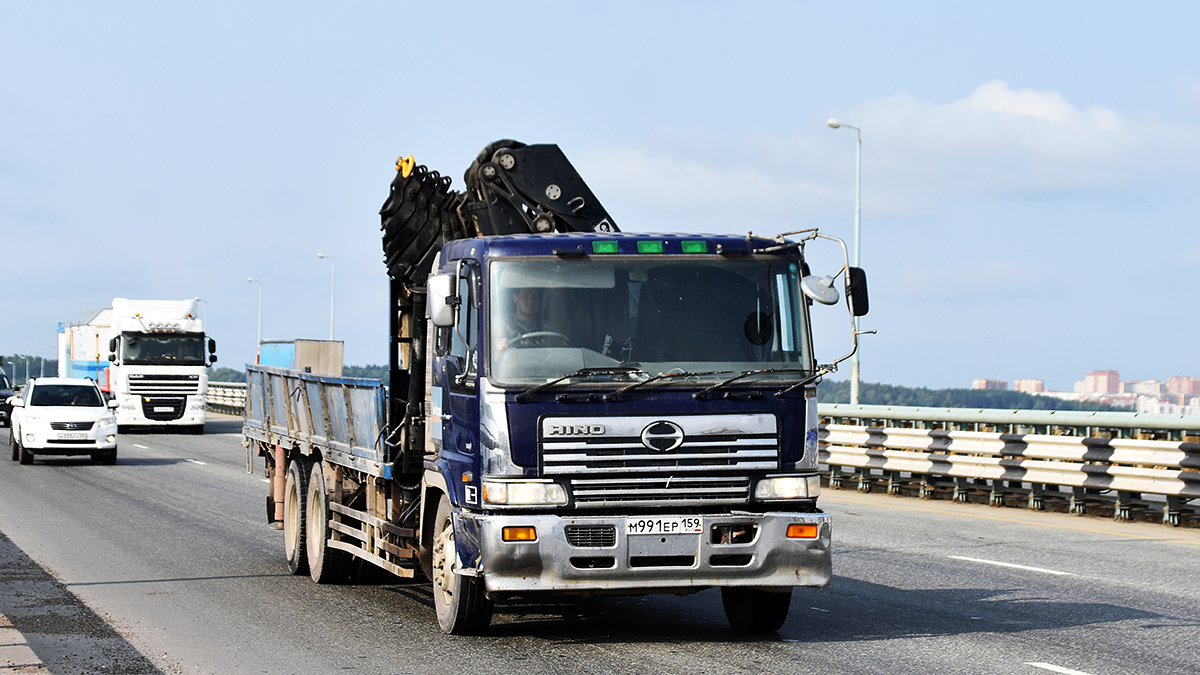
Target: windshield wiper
703,393
582,372
821,372
614,395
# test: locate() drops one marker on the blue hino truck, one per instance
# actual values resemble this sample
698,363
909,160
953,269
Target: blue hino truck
570,409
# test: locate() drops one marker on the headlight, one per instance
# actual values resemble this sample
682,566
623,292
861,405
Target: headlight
106,421
30,419
788,487
507,493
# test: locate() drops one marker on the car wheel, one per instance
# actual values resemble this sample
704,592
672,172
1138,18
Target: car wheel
295,489
326,564
462,606
12,441
752,610
25,456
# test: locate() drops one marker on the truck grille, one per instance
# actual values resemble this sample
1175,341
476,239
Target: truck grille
591,536
71,426
164,384
163,408
652,461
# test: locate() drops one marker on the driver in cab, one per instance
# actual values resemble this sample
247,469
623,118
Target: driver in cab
524,321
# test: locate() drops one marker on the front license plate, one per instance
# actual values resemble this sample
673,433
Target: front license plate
681,525
163,408
71,437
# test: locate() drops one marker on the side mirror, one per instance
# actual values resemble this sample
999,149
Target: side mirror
16,402
212,346
442,300
113,404
212,358
112,356
820,289
856,291
112,345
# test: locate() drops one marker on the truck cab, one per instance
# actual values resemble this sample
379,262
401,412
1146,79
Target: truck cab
625,413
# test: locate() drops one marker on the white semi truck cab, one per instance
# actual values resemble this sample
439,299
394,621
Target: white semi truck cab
151,356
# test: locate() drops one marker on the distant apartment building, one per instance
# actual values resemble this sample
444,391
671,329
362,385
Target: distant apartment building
989,384
1100,382
1180,384
1029,386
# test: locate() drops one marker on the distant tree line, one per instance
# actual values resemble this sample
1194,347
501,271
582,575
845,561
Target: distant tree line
870,393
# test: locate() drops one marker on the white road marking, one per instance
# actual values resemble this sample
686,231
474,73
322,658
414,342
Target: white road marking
266,480
1013,565
1057,669
196,461
138,445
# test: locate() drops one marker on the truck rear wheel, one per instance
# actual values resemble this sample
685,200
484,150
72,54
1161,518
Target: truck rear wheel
462,606
753,610
326,565
295,489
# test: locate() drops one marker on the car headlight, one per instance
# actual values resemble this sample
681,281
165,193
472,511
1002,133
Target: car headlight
788,487
107,421
512,493
31,419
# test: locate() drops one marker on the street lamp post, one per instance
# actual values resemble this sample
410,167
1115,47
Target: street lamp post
41,363
332,273
836,124
259,344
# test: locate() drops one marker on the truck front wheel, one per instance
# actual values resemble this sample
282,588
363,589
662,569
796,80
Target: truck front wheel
462,606
753,610
326,565
295,489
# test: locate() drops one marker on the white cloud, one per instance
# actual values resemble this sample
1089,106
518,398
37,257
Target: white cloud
997,140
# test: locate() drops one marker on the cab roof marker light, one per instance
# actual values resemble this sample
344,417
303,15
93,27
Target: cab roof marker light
603,247
650,246
694,246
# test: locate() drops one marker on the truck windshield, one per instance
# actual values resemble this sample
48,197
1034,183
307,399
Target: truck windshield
550,317
148,349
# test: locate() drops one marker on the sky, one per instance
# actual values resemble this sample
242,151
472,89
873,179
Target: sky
1029,169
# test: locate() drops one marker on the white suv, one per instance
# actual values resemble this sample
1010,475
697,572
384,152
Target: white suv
63,416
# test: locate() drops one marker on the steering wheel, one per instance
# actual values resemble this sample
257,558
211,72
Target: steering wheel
540,336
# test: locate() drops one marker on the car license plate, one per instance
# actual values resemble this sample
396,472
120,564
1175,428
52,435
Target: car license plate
681,525
163,408
71,437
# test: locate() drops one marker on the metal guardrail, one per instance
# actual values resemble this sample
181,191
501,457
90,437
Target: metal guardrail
1080,461
1075,461
226,397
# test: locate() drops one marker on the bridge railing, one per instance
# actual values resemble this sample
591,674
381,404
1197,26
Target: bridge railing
1129,463
226,397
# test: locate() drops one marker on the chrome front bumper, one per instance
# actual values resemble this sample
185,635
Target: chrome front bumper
647,563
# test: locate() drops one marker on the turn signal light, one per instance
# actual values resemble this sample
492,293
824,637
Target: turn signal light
522,534
802,531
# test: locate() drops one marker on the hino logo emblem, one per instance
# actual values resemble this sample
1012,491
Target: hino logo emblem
662,436
574,429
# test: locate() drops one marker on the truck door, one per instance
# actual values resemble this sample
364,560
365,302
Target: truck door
460,427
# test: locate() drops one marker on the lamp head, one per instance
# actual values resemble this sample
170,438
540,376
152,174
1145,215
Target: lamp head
834,123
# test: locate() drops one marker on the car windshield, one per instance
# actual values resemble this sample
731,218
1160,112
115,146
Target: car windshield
551,317
4,381
160,350
76,395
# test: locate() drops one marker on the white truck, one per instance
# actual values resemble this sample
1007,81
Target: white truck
151,356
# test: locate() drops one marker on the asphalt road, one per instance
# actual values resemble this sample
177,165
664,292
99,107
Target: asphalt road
169,547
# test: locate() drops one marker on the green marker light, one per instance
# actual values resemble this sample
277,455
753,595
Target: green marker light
694,246
650,247
605,247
